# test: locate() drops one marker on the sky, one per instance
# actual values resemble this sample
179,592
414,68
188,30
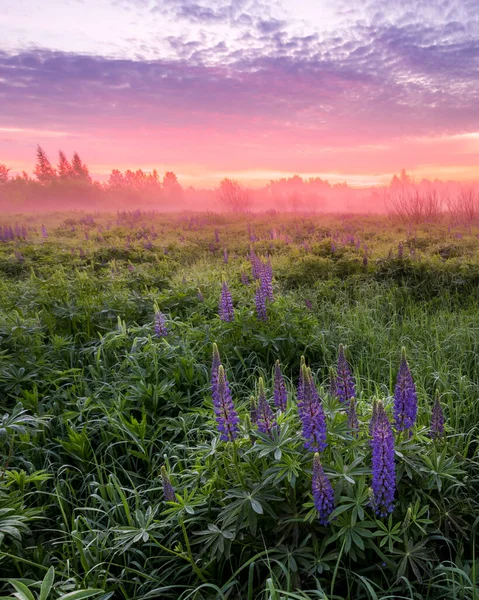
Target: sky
250,89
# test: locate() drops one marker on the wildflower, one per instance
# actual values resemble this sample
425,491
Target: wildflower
383,467
323,493
160,325
226,309
302,363
437,419
201,298
225,256
332,383
405,397
168,491
260,301
311,414
374,417
353,422
44,231
244,278
309,304
266,421
226,415
215,364
253,410
345,389
266,278
280,393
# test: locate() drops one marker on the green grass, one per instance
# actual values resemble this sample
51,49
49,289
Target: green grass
95,404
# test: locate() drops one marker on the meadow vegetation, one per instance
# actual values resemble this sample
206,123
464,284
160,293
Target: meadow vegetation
137,463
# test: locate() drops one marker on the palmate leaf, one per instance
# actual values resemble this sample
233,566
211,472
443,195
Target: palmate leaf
12,524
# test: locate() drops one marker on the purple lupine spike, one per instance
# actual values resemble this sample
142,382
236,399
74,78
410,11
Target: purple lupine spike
405,397
266,421
280,393
308,304
244,278
400,250
323,493
217,236
260,301
300,394
160,324
437,419
383,467
168,491
225,256
332,383
226,415
44,231
353,422
266,278
311,414
253,413
374,417
345,388
215,364
226,308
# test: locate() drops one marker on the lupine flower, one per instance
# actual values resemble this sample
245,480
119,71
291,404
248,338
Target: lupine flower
215,364
266,421
437,419
244,278
302,363
323,493
353,422
345,389
280,393
405,397
365,260
225,256
168,491
260,301
400,250
217,236
226,309
253,412
266,277
332,383
309,304
374,417
226,415
160,325
383,467
311,414
201,298
44,231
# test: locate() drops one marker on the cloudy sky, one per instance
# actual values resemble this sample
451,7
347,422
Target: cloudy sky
244,88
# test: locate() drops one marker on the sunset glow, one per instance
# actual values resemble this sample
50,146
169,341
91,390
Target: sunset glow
246,89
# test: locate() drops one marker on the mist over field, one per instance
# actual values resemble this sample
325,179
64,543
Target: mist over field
239,299
69,186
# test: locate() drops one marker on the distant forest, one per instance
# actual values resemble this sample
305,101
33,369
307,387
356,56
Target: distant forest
68,185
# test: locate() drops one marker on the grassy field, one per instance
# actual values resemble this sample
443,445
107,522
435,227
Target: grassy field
113,475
